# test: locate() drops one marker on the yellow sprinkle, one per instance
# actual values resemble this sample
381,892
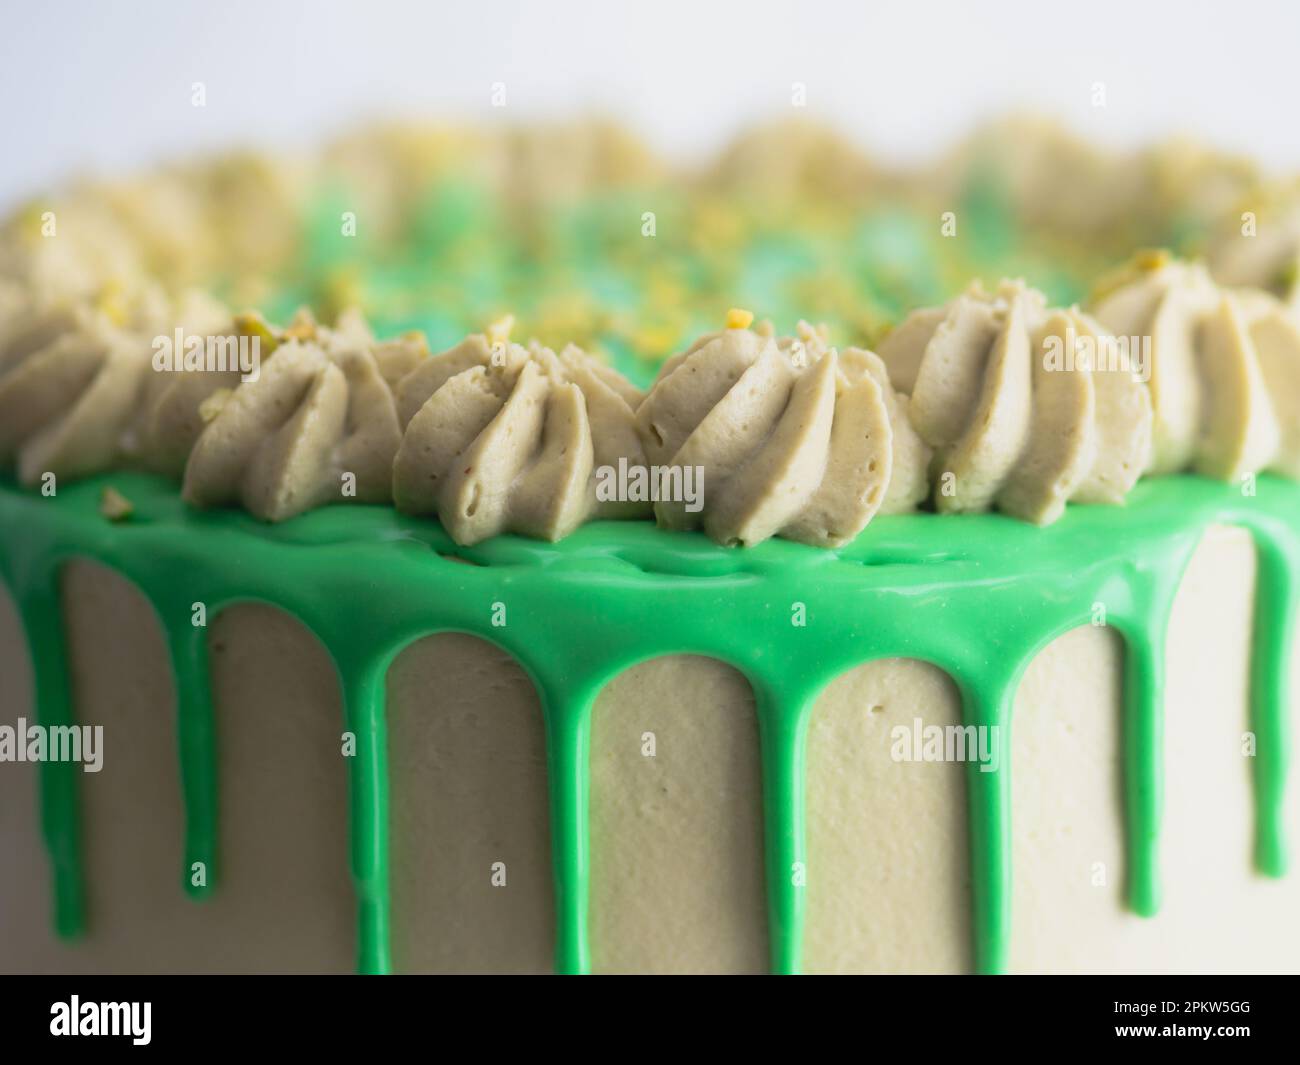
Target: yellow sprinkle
252,324
417,337
739,319
303,326
1151,258
1147,260
499,331
114,505
112,303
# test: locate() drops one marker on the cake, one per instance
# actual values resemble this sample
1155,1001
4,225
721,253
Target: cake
952,635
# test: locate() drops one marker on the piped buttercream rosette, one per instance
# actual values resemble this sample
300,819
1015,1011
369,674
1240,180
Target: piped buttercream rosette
1225,365
792,439
991,400
1025,408
71,372
318,424
505,438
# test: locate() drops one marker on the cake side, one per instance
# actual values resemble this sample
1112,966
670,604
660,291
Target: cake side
886,615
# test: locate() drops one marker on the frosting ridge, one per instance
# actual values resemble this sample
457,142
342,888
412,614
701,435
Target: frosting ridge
1216,398
318,424
502,438
70,374
1022,407
791,439
992,400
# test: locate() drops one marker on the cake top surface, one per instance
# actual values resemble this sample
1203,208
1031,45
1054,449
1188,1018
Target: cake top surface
117,348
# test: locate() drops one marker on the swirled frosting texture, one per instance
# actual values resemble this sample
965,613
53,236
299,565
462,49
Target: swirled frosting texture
70,376
501,438
1021,405
1223,368
792,439
318,424
991,400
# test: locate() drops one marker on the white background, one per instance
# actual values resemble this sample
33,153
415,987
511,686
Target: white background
105,86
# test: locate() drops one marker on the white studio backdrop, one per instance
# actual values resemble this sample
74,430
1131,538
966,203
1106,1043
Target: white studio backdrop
104,86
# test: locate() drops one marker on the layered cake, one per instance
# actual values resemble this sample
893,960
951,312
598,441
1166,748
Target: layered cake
455,613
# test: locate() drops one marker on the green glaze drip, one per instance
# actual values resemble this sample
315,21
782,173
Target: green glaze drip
978,596
39,608
368,803
1143,732
568,742
1270,693
988,798
196,739
783,728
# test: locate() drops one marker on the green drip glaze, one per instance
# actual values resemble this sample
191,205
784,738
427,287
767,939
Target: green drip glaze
1143,732
568,741
363,703
39,608
783,730
1143,743
197,742
1270,695
988,798
978,596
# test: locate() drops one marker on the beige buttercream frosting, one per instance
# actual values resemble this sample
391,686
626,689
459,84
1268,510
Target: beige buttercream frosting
992,400
70,375
1215,408
1273,329
318,424
793,438
499,437
1260,248
168,420
999,387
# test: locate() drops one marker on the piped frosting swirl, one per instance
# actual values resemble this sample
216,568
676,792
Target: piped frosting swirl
70,375
1016,417
991,400
792,439
499,437
318,424
1213,403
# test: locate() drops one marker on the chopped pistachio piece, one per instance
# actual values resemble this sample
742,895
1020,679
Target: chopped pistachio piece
252,324
1146,261
303,326
114,505
1150,259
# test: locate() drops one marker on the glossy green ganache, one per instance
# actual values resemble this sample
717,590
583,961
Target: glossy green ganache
976,595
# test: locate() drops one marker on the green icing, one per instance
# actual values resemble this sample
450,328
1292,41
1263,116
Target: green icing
978,596
586,272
